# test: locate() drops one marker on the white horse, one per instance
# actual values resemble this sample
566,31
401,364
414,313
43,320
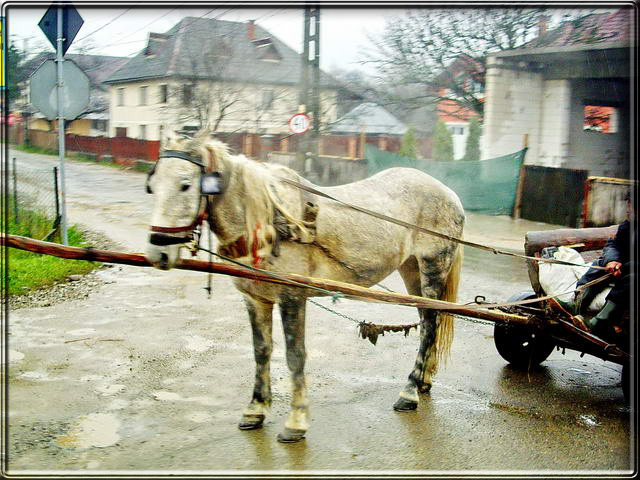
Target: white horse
266,223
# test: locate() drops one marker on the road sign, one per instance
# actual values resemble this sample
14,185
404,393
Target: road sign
71,23
299,123
44,91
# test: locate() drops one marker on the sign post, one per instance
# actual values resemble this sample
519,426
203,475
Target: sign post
68,23
61,149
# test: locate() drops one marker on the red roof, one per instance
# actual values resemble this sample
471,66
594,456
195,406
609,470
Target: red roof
595,28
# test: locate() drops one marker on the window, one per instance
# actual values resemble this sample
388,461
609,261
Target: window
456,130
143,132
100,125
187,94
267,99
121,97
121,131
476,87
600,118
163,94
143,95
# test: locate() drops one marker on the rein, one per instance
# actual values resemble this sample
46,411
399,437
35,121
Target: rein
431,232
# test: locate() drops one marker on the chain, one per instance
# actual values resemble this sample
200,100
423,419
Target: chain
335,313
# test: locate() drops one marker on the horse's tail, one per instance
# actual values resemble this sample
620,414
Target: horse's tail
444,333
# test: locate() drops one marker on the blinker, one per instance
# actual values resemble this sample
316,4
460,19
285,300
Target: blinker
210,183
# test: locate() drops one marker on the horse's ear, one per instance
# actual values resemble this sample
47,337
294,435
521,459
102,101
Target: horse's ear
212,159
203,135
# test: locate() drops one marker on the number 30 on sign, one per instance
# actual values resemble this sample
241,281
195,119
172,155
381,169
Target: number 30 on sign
299,123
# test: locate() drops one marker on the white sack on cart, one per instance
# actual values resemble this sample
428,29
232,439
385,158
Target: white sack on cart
558,279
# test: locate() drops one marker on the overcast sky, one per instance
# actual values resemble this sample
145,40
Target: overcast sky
122,30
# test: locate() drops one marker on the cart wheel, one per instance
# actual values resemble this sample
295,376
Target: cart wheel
519,345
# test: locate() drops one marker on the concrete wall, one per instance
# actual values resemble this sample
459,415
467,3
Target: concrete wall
551,111
602,154
554,124
513,109
326,171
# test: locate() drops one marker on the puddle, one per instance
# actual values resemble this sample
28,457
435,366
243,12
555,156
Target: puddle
34,376
198,417
197,343
579,370
174,397
14,356
107,390
81,332
96,430
118,404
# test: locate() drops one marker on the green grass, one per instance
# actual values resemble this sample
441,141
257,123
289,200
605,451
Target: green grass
34,149
29,271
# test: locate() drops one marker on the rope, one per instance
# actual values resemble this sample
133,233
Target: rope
432,232
335,296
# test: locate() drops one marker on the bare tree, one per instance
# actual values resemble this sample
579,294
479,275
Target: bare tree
438,55
204,97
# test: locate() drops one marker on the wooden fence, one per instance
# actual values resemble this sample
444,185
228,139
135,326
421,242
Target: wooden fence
553,195
127,150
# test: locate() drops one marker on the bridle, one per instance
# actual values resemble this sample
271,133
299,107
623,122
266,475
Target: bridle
210,184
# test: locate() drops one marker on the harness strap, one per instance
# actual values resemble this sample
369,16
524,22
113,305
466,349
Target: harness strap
202,212
199,219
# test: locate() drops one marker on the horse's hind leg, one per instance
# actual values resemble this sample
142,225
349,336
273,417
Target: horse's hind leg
292,311
260,315
425,278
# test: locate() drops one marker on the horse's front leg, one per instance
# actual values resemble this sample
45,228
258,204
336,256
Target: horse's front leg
260,315
292,311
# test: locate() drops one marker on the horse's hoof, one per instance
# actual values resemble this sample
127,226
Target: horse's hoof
404,405
291,435
251,422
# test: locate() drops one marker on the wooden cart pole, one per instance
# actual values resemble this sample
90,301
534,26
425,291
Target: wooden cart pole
362,293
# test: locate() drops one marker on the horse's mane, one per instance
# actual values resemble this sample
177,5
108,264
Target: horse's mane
255,193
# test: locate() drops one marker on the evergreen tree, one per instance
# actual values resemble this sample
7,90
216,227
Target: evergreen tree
409,147
472,151
14,73
442,143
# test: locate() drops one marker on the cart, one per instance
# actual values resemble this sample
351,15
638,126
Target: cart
550,325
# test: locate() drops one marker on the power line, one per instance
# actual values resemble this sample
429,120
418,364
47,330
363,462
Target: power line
106,24
118,42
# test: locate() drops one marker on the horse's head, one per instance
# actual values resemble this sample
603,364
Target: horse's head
182,182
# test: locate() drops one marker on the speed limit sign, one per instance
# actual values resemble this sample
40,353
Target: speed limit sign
299,123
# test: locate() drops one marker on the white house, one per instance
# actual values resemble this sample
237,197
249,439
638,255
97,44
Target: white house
229,76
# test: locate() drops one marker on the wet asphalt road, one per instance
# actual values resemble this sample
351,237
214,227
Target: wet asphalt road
147,374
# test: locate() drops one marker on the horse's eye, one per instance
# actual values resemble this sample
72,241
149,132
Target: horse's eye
185,186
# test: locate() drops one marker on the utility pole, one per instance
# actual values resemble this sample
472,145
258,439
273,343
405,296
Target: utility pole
310,85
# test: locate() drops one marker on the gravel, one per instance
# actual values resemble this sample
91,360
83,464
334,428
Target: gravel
74,287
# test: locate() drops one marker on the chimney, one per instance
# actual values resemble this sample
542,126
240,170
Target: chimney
251,30
543,22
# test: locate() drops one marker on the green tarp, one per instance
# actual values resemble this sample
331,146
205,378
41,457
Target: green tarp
484,186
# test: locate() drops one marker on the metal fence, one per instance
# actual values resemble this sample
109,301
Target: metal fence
34,206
